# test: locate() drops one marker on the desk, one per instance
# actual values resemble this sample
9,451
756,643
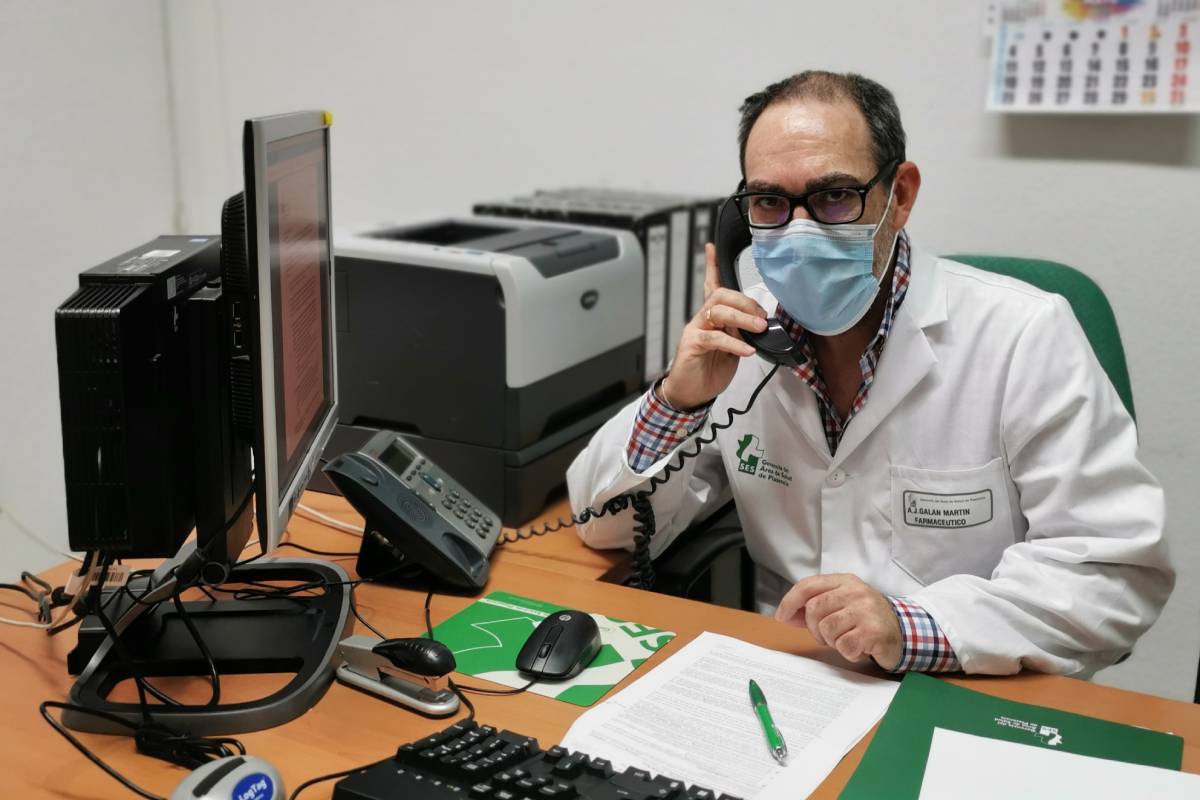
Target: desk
348,727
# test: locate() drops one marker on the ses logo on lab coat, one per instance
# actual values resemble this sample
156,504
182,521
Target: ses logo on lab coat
749,454
752,461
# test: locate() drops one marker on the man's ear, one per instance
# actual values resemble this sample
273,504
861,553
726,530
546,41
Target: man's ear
908,185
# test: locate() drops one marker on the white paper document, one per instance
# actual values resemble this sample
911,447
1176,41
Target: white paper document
961,765
691,719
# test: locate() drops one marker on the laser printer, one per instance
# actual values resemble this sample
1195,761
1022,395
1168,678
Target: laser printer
497,346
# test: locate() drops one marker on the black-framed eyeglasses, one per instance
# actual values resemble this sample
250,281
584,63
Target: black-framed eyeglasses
835,206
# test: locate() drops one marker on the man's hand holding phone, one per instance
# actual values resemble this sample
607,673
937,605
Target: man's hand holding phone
708,352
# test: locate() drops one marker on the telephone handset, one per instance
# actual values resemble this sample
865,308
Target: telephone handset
733,236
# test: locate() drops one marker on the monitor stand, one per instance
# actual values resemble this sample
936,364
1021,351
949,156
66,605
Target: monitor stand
295,635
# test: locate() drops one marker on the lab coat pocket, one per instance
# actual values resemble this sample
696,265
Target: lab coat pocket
950,522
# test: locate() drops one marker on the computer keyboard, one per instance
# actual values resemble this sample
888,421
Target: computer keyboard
468,761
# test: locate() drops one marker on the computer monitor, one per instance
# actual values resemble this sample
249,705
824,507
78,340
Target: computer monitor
283,310
254,360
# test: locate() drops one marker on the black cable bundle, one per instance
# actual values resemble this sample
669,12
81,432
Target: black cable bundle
151,738
643,514
159,741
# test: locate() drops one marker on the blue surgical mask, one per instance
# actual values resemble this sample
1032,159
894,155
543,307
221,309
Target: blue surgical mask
821,274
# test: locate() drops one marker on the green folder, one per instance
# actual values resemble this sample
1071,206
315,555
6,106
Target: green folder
894,764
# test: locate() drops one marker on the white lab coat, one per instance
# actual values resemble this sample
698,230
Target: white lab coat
992,477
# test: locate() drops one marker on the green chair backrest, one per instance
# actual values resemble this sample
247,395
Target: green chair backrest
1087,300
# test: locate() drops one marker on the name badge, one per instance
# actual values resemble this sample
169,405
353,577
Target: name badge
929,510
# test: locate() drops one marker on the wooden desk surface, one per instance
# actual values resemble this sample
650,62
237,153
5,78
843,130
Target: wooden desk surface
349,727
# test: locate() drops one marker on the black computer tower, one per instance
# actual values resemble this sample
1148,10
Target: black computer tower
124,390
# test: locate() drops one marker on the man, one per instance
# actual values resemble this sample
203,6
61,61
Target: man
945,479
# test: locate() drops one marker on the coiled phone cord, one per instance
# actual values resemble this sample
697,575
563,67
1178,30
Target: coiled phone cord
643,513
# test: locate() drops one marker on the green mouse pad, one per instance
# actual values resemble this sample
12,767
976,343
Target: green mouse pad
486,636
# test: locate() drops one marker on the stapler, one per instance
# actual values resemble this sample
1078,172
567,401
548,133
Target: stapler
412,672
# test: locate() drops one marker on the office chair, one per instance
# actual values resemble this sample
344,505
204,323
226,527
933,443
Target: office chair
685,569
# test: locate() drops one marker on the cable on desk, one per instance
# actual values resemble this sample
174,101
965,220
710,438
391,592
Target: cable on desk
25,623
643,513
496,692
334,775
318,552
143,684
57,629
45,707
80,615
41,592
119,646
360,618
29,577
462,698
141,599
263,591
214,677
428,620
317,516
150,738
185,751
458,687
98,609
38,540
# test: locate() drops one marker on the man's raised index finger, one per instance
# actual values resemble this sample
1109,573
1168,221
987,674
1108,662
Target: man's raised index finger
712,279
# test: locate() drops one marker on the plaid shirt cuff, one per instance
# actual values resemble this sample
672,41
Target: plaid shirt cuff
659,429
924,647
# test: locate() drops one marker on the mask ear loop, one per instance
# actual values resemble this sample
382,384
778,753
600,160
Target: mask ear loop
895,237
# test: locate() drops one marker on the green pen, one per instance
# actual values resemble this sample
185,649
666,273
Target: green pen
774,737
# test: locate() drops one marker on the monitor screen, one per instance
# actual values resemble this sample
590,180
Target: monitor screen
290,266
298,232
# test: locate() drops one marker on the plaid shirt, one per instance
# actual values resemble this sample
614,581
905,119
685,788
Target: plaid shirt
659,428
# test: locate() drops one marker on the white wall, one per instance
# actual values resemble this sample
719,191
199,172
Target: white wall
441,104
86,168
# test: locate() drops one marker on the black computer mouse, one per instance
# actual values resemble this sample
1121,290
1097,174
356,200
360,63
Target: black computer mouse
561,646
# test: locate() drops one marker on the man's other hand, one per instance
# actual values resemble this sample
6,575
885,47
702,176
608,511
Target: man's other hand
844,613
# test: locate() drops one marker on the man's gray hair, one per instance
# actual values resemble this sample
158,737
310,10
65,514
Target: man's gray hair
876,103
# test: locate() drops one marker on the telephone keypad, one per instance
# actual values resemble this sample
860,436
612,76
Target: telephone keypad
475,519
